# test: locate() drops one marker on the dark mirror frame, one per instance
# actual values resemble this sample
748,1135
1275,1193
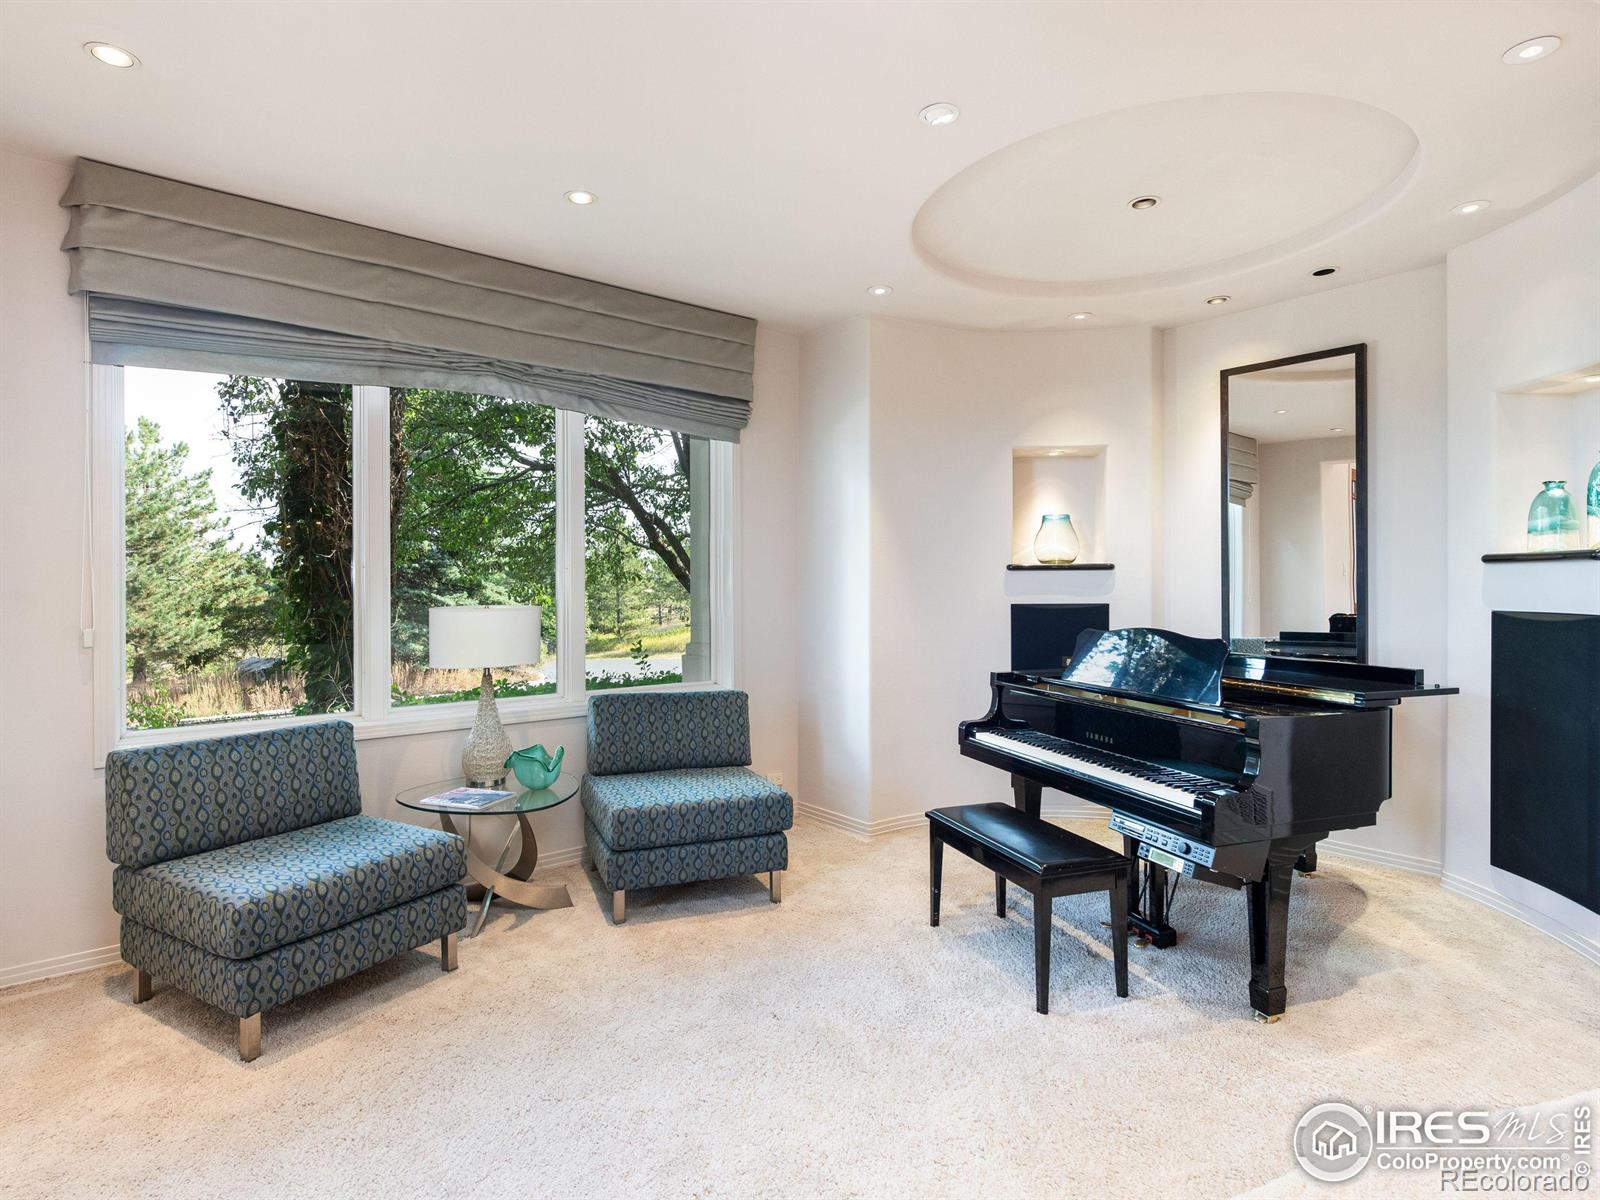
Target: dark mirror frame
1359,353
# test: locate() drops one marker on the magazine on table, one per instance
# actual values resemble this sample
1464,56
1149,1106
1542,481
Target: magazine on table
468,798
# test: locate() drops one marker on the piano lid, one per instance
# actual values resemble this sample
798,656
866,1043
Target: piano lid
1152,662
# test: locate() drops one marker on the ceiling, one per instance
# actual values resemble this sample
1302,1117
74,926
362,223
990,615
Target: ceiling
767,158
1289,405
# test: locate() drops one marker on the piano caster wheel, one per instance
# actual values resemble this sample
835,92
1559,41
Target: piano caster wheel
1264,1019
1142,943
1307,874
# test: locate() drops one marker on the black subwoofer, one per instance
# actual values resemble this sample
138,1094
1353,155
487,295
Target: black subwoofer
1043,635
1544,751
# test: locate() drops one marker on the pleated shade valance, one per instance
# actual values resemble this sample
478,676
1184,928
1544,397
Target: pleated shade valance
1243,469
183,276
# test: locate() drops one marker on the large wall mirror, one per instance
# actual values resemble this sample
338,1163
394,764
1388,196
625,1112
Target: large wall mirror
1294,505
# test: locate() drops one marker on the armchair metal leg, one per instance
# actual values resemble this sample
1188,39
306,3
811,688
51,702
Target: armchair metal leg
250,1037
142,988
619,907
447,952
775,886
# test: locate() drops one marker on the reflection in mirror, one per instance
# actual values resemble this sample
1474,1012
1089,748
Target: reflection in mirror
1294,571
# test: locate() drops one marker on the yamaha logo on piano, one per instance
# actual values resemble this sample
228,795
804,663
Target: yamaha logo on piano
1105,739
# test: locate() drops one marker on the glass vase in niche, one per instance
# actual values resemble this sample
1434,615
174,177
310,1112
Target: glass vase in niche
1056,543
1553,518
1592,503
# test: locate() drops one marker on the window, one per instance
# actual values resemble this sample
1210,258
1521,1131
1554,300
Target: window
237,598
472,502
267,551
647,509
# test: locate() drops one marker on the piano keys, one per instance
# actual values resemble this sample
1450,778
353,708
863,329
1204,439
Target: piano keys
1225,769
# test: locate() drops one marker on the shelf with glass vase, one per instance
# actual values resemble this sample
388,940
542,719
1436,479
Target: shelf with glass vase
1547,447
1057,498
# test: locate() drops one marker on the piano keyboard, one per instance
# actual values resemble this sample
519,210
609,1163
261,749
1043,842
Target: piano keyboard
1158,783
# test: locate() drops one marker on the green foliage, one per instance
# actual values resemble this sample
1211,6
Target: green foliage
291,443
191,598
473,505
153,713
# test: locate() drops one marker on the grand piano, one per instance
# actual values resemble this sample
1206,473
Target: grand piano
1226,769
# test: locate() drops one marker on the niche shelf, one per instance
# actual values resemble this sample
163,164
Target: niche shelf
1548,428
1077,566
1541,556
1059,479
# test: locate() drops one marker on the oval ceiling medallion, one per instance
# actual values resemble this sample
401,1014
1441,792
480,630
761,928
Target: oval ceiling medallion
1243,179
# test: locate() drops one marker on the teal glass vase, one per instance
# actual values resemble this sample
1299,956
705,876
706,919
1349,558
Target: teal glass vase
1056,543
1553,518
536,767
1593,505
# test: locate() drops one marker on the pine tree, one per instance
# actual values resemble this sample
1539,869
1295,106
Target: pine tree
188,591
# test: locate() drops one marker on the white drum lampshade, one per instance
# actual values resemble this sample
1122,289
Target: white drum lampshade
475,636
481,636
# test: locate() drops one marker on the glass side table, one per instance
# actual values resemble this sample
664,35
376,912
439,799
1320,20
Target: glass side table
500,880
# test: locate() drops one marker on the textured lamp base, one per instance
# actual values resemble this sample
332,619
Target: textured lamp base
483,759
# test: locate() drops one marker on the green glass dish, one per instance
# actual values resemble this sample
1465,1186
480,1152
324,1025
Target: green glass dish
536,767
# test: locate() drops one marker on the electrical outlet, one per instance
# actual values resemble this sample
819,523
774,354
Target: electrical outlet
775,777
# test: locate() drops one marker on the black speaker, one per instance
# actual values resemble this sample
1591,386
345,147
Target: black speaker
1544,751
1043,635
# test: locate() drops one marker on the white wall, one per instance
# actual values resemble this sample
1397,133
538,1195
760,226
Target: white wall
1402,320
907,434
948,406
1290,550
1524,303
55,881
834,616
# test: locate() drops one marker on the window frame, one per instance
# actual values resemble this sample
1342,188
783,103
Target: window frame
374,716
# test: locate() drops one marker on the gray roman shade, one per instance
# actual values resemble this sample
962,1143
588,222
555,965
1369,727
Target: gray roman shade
183,276
1243,471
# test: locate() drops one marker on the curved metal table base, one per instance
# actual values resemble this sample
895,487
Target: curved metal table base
510,883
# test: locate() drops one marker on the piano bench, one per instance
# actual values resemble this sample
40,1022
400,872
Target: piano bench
1046,860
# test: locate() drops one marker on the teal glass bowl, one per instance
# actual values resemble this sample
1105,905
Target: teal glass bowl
536,767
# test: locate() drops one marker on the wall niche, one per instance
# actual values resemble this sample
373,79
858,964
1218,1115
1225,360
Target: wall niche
1059,479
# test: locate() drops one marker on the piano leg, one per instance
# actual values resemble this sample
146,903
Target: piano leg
1269,929
935,872
1147,923
1025,794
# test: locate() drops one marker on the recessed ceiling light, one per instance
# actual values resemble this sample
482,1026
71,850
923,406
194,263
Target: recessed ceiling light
1080,316
1337,429
1144,202
1591,378
1531,50
1321,272
112,56
1218,299
940,113
1280,411
1470,207
879,289
581,197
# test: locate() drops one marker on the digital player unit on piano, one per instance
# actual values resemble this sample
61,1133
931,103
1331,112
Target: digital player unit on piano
1220,768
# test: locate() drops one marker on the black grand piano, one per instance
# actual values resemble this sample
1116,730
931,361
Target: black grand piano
1221,768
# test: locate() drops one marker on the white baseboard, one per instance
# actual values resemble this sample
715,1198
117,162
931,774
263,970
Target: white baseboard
1379,857
66,964
855,825
563,858
1073,812
1487,896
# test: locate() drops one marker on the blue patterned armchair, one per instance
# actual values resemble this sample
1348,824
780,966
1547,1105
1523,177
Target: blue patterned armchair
247,875
669,796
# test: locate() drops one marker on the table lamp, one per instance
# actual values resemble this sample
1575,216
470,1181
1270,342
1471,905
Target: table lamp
487,636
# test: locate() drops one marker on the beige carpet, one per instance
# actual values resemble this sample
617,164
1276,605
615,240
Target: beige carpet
720,1046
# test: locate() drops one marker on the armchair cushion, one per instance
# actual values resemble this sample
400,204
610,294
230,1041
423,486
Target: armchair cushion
169,801
676,808
240,901
667,731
